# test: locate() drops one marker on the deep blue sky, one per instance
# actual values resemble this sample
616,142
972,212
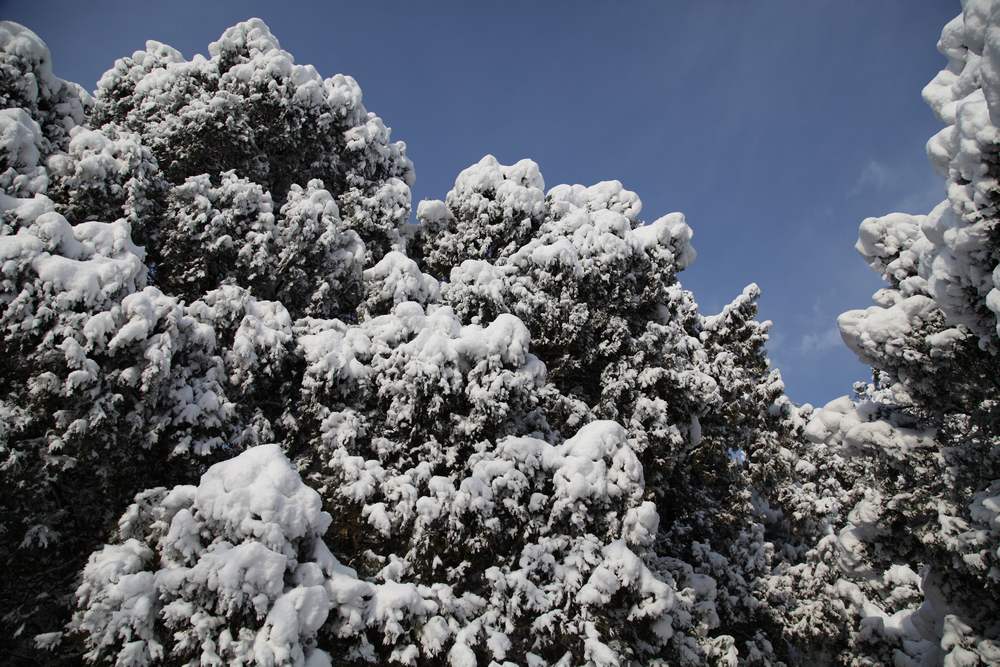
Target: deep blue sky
776,127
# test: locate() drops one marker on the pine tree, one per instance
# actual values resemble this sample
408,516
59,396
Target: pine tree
621,339
231,571
148,256
529,444
894,501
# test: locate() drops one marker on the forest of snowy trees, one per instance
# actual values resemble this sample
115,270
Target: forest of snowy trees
252,414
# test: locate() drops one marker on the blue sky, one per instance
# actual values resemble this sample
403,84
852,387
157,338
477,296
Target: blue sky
776,127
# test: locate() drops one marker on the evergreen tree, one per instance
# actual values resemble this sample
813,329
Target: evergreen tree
231,571
621,339
529,445
149,244
895,500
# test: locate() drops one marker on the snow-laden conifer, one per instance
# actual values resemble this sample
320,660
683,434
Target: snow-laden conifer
151,276
529,444
893,498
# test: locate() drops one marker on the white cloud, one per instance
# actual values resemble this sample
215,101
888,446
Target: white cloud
819,342
908,188
921,200
875,176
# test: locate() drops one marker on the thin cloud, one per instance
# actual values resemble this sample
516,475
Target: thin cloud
912,190
820,342
875,176
922,199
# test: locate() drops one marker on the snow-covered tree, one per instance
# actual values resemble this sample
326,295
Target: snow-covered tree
230,571
150,278
491,212
106,380
520,525
526,443
40,109
596,289
249,108
106,174
894,503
